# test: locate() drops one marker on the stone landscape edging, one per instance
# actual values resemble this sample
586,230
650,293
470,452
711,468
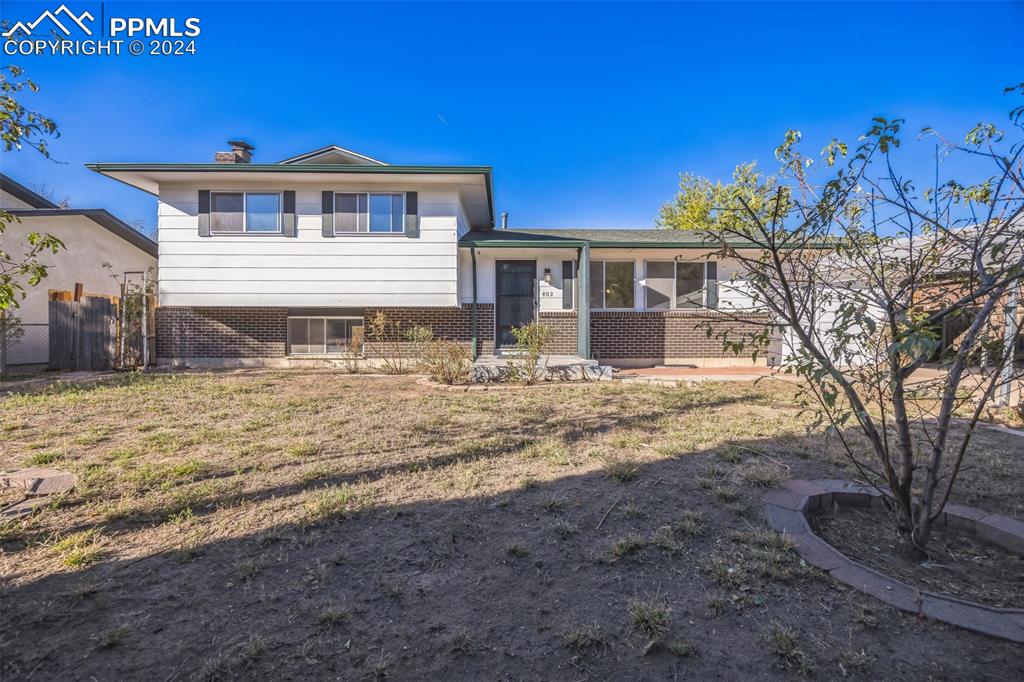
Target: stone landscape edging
462,388
786,509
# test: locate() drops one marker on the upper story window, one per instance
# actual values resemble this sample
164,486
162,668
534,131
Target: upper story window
245,212
369,212
671,285
611,284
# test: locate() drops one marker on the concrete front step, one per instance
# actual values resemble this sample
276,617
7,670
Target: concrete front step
490,368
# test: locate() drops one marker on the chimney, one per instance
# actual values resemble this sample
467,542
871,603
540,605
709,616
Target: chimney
504,220
241,152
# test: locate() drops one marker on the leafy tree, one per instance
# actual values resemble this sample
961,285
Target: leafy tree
867,276
21,267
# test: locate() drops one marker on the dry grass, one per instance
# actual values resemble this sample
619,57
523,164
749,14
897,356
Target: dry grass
282,483
303,447
651,617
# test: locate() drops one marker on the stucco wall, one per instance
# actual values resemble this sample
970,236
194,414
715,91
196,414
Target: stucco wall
88,247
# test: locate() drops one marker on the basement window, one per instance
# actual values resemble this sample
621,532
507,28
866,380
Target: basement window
325,335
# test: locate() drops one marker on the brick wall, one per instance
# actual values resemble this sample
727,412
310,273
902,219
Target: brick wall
662,335
258,332
563,324
184,332
453,324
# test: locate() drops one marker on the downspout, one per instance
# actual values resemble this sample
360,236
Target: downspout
472,255
583,302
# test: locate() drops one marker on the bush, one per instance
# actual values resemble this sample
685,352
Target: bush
387,339
531,339
446,362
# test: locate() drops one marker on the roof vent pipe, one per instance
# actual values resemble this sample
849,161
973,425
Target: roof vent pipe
504,220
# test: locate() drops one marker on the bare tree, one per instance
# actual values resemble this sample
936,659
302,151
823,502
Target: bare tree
869,277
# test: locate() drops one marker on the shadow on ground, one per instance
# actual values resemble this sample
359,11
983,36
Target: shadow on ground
484,588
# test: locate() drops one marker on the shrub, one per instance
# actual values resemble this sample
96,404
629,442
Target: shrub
531,340
446,362
355,351
387,339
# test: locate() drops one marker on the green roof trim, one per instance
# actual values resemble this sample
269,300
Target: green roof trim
598,239
284,168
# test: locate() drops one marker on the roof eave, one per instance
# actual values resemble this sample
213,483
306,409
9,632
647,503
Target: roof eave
108,168
23,193
521,244
101,217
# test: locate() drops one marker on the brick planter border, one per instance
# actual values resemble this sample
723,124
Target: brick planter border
787,508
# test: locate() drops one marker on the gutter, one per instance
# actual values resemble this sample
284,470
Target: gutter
101,217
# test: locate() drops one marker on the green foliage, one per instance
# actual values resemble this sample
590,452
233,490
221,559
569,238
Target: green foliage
18,125
531,340
446,362
396,345
866,276
21,268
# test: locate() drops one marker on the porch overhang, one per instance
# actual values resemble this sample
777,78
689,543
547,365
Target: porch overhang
489,243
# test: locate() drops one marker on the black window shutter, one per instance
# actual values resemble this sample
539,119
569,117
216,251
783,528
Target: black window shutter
712,284
204,213
412,228
327,214
288,219
568,283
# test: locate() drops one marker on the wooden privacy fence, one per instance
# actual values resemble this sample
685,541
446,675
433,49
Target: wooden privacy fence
83,333
93,333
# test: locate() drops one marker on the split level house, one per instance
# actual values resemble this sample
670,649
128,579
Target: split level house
286,263
100,250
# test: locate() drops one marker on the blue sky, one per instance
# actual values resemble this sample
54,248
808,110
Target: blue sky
587,112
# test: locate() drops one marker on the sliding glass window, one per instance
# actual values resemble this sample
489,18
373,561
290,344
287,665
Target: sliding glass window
325,335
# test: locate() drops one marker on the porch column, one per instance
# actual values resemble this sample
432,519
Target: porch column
472,255
583,302
1004,392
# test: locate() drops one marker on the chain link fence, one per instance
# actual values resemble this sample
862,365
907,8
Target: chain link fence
28,344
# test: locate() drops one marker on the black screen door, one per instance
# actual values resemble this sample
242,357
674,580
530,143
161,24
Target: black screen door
515,297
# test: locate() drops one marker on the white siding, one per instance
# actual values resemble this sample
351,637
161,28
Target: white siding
485,258
309,269
731,285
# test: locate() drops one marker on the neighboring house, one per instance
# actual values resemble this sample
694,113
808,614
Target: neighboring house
98,250
285,263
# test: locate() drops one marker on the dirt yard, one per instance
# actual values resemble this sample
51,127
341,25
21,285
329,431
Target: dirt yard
293,525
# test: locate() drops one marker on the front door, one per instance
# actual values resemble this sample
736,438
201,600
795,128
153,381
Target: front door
515,298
